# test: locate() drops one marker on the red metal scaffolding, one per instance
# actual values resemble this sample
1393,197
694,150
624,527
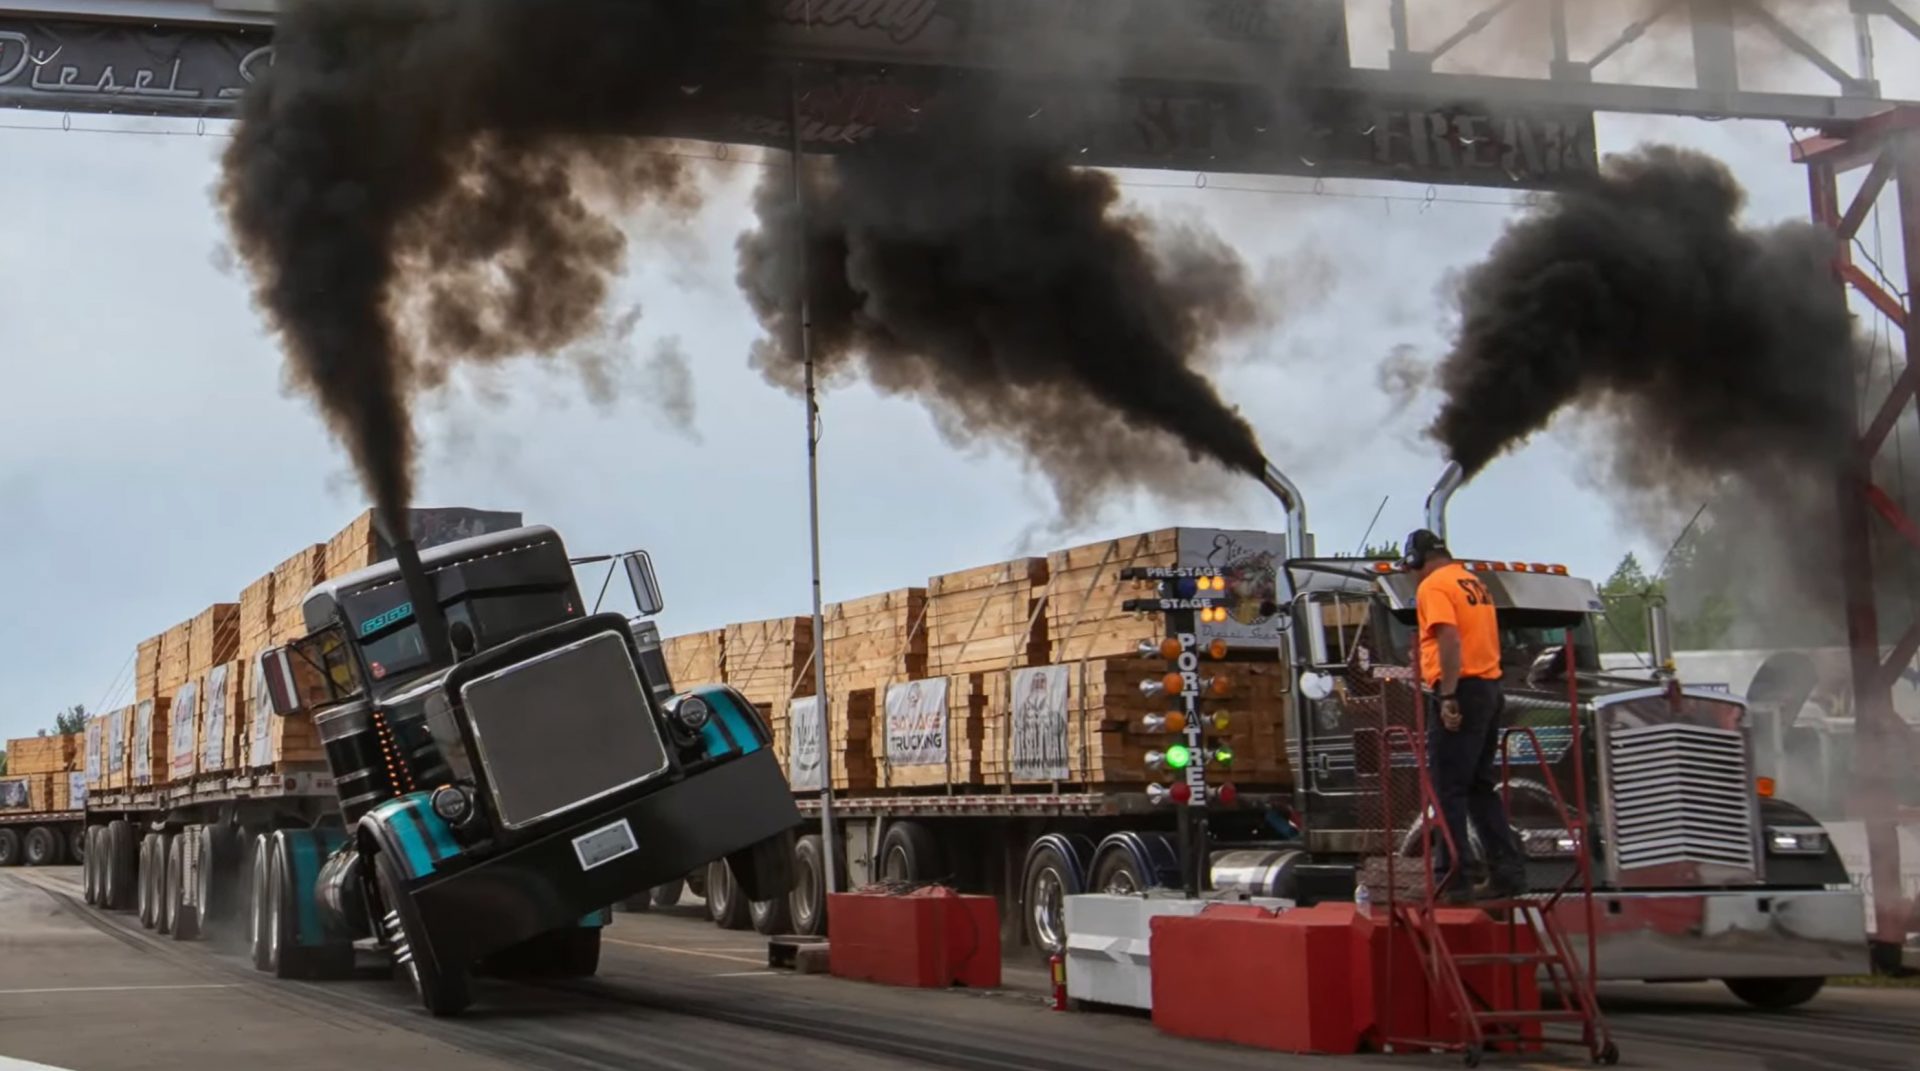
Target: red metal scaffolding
1888,145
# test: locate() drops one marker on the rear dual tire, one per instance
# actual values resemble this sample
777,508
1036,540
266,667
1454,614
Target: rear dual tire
10,848
273,921
42,846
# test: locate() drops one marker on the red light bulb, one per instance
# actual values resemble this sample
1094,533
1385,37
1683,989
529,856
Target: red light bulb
1182,792
1227,794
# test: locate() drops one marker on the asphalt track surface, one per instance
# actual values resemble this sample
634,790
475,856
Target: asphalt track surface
92,991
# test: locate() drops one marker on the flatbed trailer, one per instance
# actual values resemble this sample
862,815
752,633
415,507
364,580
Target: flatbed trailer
42,838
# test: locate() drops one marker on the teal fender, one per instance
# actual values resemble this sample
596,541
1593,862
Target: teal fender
735,729
406,828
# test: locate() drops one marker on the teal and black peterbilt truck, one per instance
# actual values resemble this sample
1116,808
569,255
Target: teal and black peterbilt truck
508,763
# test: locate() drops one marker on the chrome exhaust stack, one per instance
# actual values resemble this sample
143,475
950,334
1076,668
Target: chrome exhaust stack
1450,480
1299,540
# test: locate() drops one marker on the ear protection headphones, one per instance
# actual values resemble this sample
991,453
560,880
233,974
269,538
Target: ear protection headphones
1420,545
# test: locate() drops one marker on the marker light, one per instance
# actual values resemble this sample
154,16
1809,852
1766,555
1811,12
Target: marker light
1538,567
1227,794
1383,567
1558,570
1181,792
1218,685
1764,787
1179,756
1170,648
1217,649
1220,721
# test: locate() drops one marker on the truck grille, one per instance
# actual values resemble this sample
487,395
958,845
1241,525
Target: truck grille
1681,808
563,729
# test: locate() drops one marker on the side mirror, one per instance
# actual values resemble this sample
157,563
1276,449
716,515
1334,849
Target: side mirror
646,586
279,675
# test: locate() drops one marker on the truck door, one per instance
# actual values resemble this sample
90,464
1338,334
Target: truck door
1338,634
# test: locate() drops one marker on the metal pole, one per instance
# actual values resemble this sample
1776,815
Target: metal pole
803,344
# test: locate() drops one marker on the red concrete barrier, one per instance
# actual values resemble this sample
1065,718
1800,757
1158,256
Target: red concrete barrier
930,938
1316,979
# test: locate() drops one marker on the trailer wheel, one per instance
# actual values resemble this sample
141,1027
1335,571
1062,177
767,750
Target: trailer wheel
258,905
211,892
9,848
725,906
668,895
42,847
697,883
1776,994
122,859
144,898
444,990
79,845
1118,874
89,869
764,870
163,876
807,904
185,916
771,917
909,853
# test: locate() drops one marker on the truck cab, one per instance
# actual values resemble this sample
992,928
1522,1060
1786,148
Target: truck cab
1698,869
505,767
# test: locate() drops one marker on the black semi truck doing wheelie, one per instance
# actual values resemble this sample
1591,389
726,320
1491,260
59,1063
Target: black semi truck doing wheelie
502,765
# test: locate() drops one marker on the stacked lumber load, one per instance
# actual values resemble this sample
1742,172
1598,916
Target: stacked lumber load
146,668
147,755
94,766
42,754
115,728
222,700
255,620
174,666
696,658
877,640
850,716
76,791
360,543
28,792
931,732
1085,614
213,637
770,661
356,546
292,579
272,740
1082,723
987,619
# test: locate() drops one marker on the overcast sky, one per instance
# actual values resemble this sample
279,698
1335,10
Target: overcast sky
151,462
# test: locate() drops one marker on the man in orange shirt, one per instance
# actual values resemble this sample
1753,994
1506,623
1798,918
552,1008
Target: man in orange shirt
1460,666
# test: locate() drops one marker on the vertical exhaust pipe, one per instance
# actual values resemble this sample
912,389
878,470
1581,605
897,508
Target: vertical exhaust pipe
1660,637
420,589
1299,541
1450,480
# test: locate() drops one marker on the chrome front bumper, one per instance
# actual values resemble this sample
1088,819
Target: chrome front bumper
1746,934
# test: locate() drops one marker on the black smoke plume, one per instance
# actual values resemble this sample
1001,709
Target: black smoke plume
1711,348
421,182
970,265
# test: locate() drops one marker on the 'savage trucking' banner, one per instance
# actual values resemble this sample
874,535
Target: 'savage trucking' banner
873,66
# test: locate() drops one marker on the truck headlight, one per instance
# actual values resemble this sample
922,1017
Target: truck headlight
692,712
1796,840
453,803
1548,843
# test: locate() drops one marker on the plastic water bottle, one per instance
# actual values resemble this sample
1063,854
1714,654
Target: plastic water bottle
1363,898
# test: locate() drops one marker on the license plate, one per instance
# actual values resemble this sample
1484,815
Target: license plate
604,845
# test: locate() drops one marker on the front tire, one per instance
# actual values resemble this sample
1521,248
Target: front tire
286,956
145,899
725,906
442,989
1775,994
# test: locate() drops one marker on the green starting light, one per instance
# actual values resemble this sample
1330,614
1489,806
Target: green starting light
1223,756
1178,756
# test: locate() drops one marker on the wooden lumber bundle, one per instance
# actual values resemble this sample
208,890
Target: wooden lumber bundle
876,640
770,661
222,702
174,667
40,754
26,793
292,579
930,732
255,621
984,620
147,756
213,637
849,731
1085,614
95,766
1101,729
696,658
354,547
183,733
146,668
115,733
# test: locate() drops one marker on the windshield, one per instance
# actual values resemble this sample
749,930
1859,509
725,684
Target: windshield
1521,640
495,618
